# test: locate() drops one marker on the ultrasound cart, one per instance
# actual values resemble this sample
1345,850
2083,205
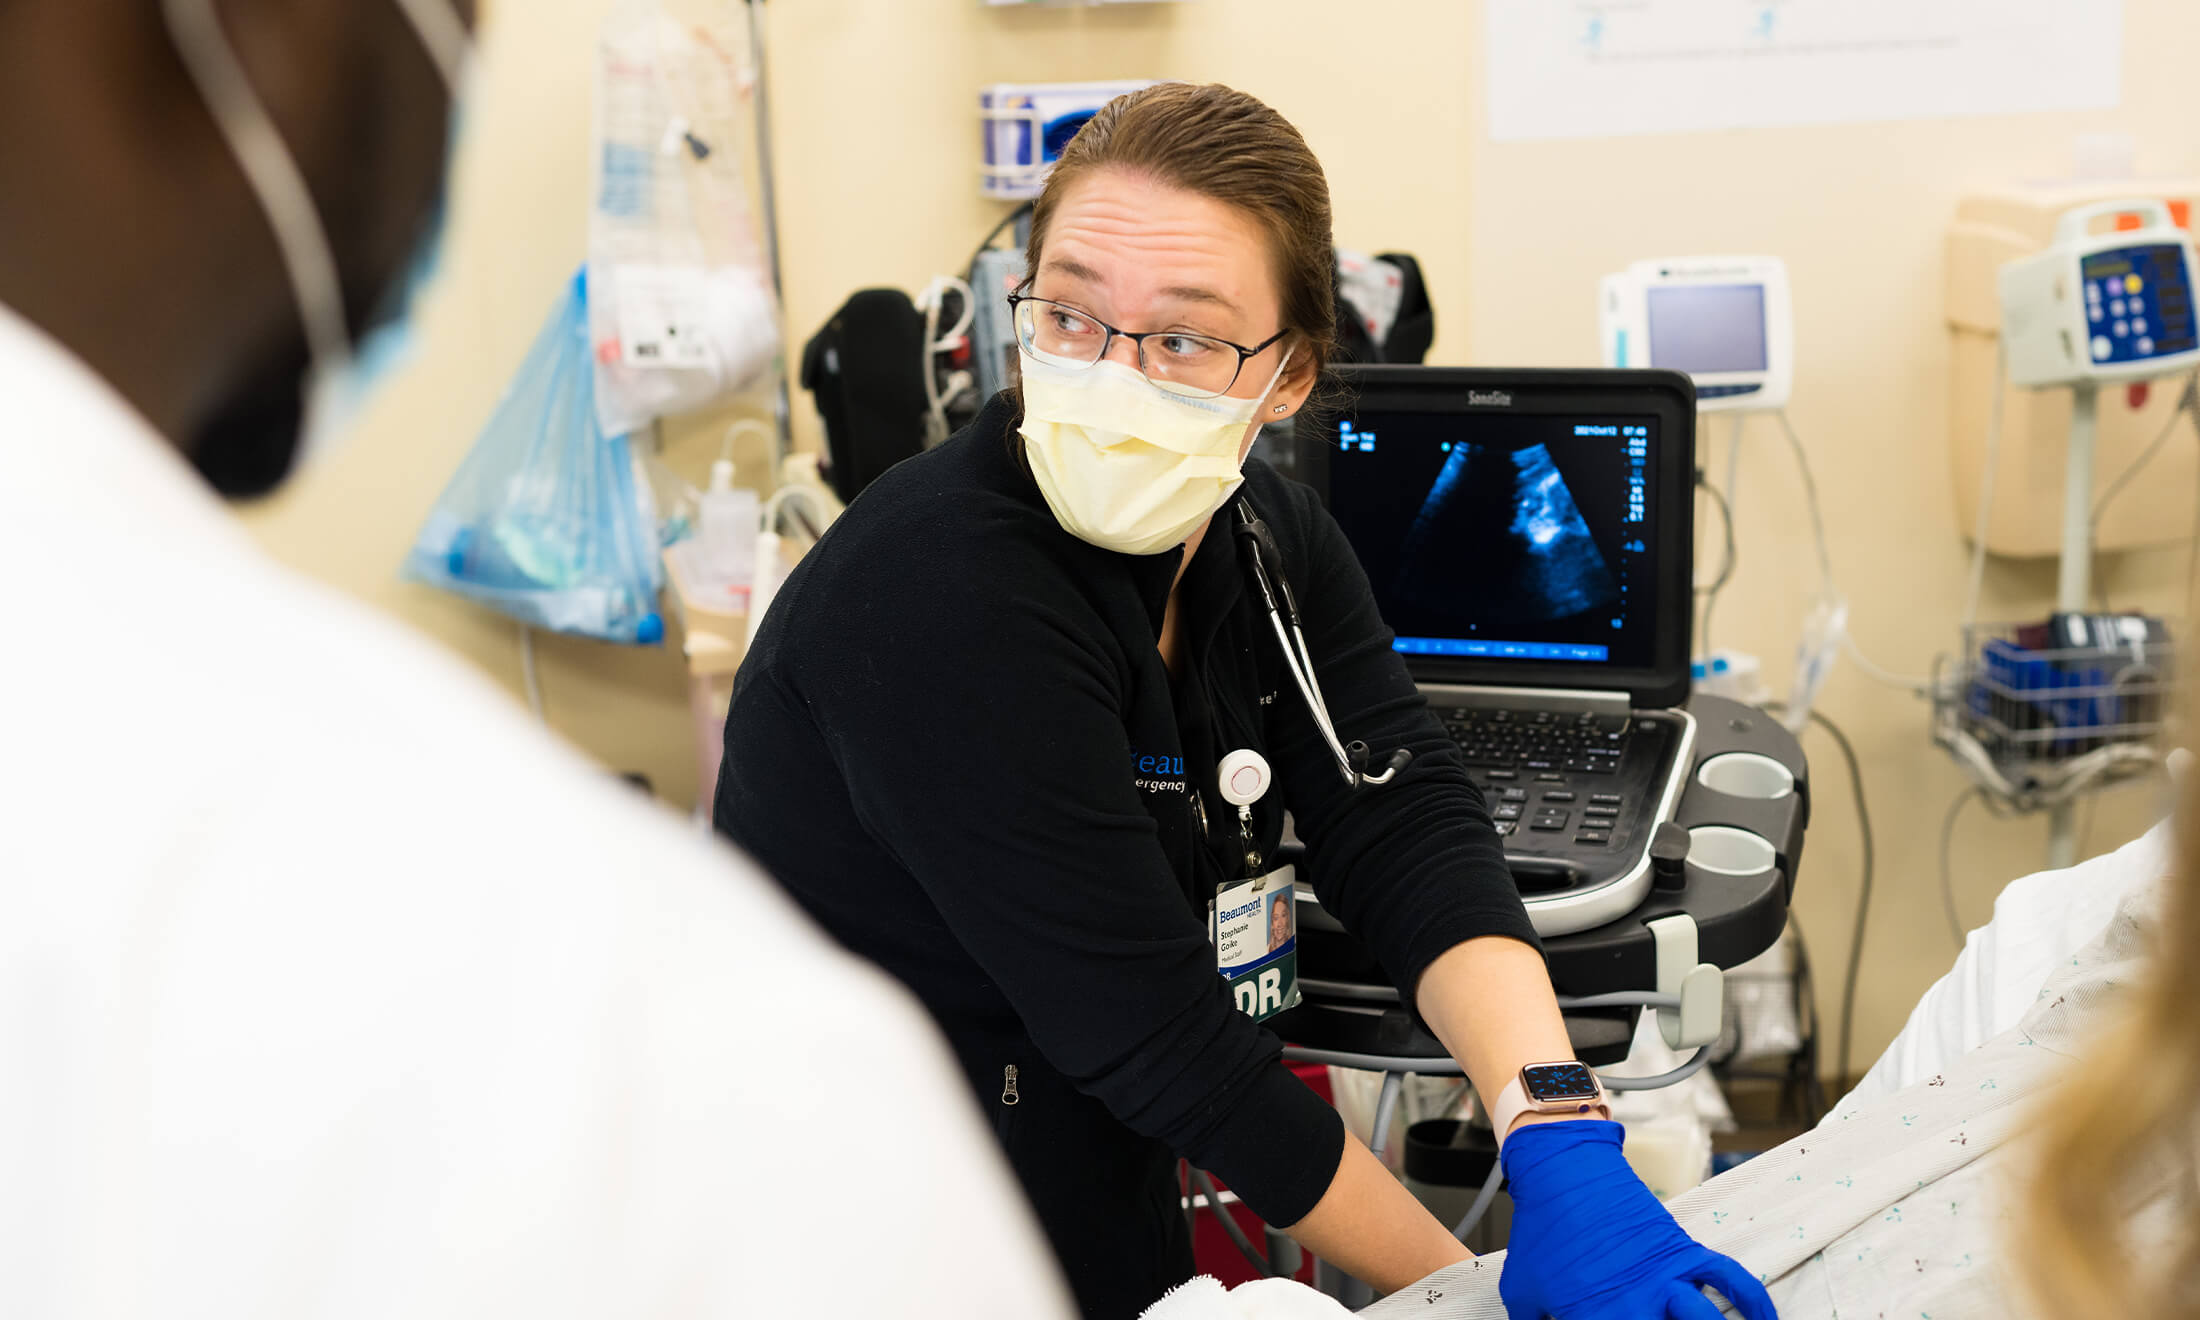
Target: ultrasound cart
1655,836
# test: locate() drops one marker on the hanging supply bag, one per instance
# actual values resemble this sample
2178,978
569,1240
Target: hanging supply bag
545,520
681,308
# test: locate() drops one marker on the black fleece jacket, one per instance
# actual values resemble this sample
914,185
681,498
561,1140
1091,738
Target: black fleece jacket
956,742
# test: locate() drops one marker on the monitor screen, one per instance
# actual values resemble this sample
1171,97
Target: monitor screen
1707,329
1503,536
2138,303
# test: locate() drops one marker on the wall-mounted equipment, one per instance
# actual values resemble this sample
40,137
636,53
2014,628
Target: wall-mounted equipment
1026,126
2101,306
1726,321
1995,230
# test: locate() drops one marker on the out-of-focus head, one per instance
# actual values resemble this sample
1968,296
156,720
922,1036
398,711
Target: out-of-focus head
1200,210
135,236
2123,1131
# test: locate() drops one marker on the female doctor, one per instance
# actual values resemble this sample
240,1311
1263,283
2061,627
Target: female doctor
980,738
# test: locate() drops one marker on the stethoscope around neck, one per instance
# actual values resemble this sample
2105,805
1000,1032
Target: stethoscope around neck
1257,546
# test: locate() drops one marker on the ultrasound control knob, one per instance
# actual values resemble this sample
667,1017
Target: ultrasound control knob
1669,857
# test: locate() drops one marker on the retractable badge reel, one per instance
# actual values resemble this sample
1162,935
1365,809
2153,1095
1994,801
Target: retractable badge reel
1253,922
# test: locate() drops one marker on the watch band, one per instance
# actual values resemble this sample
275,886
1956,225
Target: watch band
1513,1102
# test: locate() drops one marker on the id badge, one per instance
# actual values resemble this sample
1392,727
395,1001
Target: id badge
1255,930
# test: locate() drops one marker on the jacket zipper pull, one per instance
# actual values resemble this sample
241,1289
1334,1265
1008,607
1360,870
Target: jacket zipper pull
1008,1085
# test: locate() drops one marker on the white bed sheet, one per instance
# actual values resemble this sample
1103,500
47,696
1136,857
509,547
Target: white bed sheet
2039,922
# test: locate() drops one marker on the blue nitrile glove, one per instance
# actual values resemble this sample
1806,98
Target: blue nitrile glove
1589,1242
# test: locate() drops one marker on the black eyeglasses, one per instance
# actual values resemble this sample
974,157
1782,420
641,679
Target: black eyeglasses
1195,366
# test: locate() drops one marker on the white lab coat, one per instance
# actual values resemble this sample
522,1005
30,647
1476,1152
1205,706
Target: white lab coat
331,987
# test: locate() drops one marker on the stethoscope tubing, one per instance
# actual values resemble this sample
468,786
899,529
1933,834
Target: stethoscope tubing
1270,583
1309,690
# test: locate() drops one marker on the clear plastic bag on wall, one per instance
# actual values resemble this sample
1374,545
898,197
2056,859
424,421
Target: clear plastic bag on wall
681,310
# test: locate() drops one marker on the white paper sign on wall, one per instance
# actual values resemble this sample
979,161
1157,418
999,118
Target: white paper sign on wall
1607,68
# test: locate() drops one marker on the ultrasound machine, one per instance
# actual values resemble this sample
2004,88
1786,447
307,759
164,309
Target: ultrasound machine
1521,542
1529,538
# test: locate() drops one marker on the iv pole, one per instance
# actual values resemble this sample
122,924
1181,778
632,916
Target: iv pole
768,206
2075,570
2075,575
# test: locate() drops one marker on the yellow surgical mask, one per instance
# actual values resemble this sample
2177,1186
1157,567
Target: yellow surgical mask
1123,463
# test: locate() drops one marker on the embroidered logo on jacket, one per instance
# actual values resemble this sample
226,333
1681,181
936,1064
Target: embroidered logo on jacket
1159,774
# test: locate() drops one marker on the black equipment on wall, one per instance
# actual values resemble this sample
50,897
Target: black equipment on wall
1407,338
865,370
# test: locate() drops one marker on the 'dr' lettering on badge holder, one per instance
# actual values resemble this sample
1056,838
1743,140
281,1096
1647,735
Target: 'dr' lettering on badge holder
1252,921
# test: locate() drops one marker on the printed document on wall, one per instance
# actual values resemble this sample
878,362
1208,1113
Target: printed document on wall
1604,68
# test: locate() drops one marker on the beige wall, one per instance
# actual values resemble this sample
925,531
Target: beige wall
877,141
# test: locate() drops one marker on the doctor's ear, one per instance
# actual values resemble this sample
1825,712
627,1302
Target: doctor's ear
1292,391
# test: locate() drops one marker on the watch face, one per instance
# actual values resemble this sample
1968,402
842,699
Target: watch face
1547,1083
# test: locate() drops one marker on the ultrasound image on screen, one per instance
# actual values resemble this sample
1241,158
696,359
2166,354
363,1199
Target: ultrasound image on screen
1502,536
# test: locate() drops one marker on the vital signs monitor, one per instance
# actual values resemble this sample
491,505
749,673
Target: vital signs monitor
2109,306
1725,321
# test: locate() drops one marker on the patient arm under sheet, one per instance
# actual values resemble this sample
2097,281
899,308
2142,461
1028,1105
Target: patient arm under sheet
1897,1206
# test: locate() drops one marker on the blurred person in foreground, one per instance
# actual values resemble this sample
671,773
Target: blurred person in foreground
329,986
2111,1228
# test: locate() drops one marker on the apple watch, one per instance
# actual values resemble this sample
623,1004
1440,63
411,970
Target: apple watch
1547,1088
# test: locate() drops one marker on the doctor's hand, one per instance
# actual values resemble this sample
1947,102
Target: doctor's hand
1589,1241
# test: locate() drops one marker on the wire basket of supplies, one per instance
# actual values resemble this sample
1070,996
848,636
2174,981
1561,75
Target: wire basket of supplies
2042,712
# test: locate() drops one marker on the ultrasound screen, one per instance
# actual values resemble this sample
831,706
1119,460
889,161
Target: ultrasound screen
1504,536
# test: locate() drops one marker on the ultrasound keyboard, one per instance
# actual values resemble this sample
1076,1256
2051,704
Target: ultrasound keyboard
1579,790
